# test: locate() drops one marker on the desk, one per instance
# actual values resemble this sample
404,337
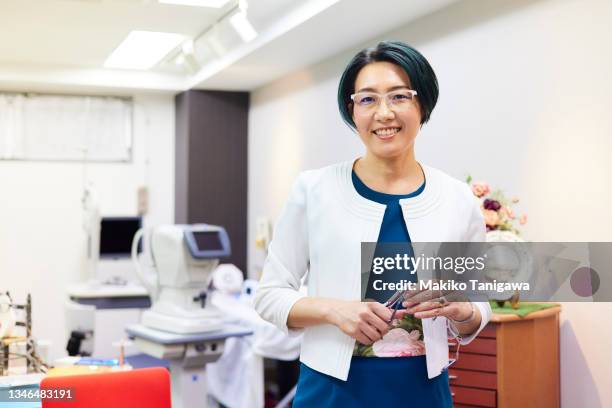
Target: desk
513,362
187,354
104,311
105,296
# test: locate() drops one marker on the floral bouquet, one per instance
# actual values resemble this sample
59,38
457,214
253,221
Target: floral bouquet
404,339
500,220
496,208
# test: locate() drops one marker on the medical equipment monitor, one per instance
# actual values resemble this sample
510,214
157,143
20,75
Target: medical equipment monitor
207,241
116,235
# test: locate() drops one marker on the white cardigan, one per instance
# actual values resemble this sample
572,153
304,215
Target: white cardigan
320,230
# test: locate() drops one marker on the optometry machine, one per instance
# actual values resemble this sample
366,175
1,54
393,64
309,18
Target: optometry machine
181,326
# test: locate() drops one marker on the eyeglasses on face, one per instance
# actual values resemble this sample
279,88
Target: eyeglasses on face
395,99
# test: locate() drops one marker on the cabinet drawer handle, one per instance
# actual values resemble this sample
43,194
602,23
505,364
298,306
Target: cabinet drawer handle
452,394
452,377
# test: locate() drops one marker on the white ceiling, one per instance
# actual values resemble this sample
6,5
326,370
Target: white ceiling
60,45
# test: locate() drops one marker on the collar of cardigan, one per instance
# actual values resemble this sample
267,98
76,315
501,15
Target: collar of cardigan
413,207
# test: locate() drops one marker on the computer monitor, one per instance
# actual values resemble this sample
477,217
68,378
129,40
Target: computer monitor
116,235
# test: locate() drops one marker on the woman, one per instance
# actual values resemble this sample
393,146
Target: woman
356,351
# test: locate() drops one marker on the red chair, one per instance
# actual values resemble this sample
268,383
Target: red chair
147,387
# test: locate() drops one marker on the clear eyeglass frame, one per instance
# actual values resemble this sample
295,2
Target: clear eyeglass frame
394,99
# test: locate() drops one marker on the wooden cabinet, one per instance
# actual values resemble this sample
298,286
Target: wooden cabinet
514,362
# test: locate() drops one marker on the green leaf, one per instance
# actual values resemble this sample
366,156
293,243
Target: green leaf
363,351
410,323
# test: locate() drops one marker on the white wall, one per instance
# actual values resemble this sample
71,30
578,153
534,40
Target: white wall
525,105
42,242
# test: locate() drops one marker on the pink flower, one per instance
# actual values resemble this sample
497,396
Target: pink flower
491,217
523,219
508,211
480,189
399,343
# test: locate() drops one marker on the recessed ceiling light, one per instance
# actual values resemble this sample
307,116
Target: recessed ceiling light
143,49
197,3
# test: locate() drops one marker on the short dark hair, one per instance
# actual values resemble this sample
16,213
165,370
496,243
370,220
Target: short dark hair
422,76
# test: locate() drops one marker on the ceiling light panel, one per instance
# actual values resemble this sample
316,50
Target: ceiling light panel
143,49
197,3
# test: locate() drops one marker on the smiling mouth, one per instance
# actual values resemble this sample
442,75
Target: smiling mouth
386,133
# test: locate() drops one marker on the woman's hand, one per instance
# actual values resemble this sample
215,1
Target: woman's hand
427,303
464,315
366,322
